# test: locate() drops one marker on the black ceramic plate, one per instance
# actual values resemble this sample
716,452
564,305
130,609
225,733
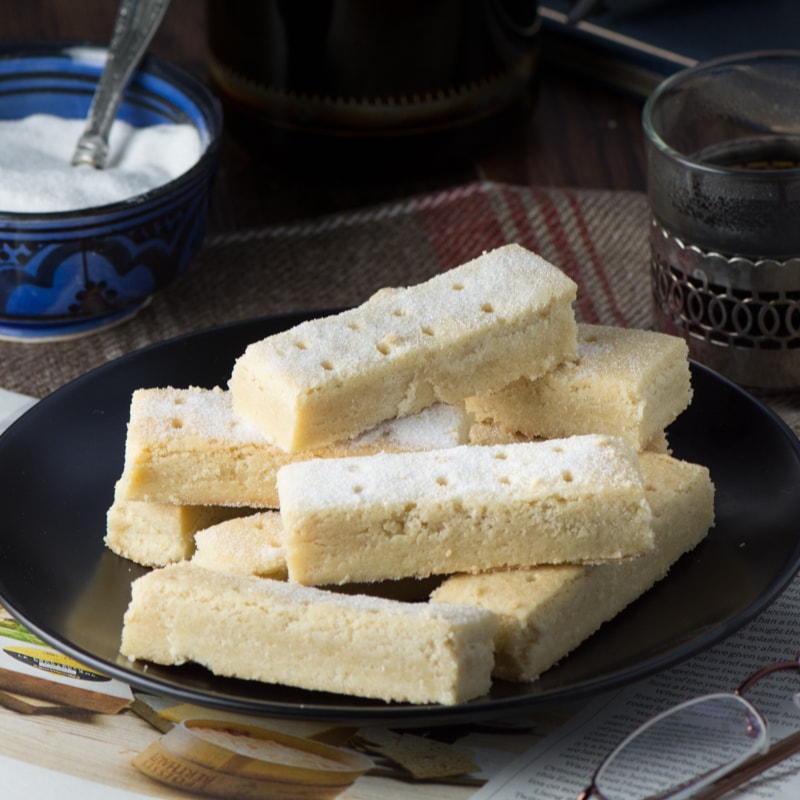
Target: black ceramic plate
59,463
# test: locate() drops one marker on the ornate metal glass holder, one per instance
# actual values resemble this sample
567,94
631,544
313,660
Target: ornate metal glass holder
741,317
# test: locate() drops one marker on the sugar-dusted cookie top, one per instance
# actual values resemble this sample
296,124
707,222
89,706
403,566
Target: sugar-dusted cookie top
503,315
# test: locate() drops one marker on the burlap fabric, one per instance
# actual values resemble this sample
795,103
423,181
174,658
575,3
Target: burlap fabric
598,237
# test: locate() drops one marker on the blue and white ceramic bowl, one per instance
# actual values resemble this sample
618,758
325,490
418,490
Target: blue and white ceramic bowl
70,273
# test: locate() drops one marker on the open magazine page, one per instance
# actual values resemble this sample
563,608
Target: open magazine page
12,405
560,766
67,728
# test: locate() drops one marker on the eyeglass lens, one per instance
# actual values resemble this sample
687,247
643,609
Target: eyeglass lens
692,744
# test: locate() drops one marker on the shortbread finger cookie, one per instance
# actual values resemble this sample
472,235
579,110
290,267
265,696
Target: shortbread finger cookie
186,446
156,534
251,545
506,314
625,382
281,633
465,509
546,612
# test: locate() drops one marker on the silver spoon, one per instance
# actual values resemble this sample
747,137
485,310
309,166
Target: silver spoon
137,21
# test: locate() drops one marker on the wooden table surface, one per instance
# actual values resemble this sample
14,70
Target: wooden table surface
578,134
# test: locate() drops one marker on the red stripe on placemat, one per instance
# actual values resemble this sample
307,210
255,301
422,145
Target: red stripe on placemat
588,243
566,259
460,224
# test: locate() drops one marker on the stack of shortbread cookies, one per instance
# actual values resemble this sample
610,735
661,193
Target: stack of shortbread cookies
452,483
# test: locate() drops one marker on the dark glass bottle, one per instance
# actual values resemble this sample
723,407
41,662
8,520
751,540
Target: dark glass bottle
363,79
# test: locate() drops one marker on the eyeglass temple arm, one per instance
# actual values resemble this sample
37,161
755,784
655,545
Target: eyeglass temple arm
762,673
754,766
760,763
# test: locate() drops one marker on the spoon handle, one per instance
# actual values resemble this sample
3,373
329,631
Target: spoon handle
137,22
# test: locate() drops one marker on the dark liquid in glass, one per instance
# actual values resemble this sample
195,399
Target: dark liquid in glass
750,207
758,153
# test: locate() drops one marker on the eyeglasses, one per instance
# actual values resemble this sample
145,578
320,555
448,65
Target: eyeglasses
700,749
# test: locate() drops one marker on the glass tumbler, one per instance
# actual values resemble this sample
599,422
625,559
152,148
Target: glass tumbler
722,141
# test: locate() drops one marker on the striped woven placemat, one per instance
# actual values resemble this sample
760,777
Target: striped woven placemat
597,237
